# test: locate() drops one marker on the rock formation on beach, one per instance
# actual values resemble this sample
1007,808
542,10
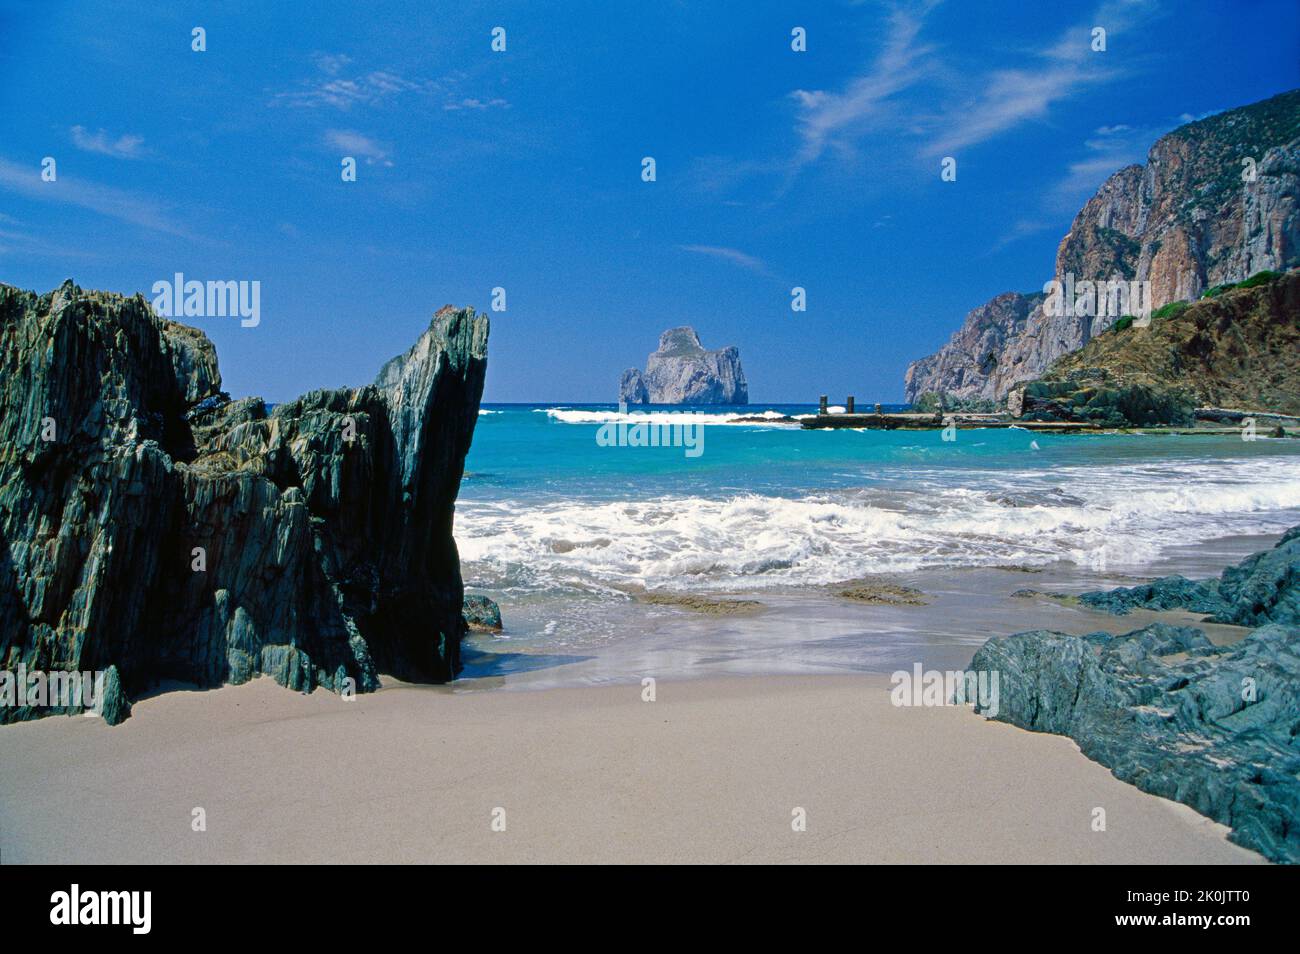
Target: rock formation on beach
1264,588
154,529
1238,349
1185,222
481,614
1214,727
682,372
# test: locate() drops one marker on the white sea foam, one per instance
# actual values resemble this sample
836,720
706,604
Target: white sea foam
1122,516
571,416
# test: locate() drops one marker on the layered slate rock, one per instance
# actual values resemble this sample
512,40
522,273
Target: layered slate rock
169,533
681,371
1185,222
1211,727
1263,588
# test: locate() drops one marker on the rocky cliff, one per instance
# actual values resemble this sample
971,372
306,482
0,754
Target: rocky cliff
1184,222
1238,348
681,371
153,529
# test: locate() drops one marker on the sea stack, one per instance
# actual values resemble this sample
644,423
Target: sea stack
156,530
681,371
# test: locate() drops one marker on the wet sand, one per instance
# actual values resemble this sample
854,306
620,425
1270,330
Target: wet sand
806,632
712,771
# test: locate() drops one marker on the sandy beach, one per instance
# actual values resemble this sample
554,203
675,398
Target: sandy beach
711,771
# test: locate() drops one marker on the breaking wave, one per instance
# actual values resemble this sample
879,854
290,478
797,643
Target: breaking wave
1096,516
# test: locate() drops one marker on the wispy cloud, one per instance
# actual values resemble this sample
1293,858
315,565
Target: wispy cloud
1109,149
354,143
337,85
104,200
979,103
732,255
473,103
332,63
1023,228
123,147
830,120
336,88
1013,96
16,244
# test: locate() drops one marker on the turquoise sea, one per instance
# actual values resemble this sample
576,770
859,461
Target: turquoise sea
565,532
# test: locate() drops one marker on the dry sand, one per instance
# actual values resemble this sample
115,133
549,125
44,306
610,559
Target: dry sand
710,772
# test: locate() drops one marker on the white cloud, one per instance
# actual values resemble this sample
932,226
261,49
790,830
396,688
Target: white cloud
342,92
831,119
353,143
1109,150
734,256
123,147
124,206
473,103
332,63
1013,96
979,102
338,87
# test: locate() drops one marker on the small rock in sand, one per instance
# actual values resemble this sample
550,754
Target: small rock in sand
885,594
702,604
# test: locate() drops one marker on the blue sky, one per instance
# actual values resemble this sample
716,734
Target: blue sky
522,169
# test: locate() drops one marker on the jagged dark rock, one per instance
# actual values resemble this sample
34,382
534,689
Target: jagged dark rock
1164,709
481,613
168,533
681,371
1263,588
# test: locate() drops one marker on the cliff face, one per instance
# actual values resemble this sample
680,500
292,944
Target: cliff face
153,529
1239,349
975,351
682,372
1183,222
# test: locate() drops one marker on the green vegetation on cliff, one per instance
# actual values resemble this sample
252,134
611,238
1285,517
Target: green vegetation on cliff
1237,349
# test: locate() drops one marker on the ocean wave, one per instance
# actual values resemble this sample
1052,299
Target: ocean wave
571,416
1100,517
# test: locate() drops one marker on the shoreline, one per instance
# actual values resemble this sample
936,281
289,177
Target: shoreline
811,631
711,771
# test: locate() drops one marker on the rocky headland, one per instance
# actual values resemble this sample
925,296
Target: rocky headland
1214,727
681,371
1233,354
1217,201
153,529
